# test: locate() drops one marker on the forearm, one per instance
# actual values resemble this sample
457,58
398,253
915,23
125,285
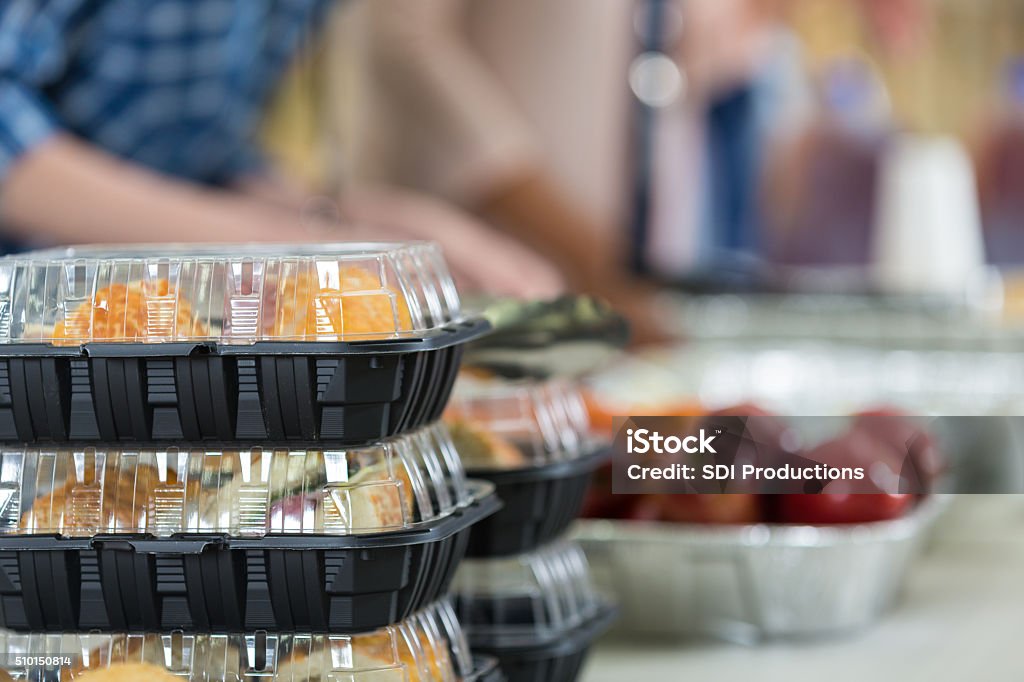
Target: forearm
537,212
482,259
68,191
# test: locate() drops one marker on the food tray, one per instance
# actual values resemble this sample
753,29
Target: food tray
349,343
514,425
752,583
556,662
908,323
230,540
540,504
973,398
315,583
534,442
538,613
85,491
426,647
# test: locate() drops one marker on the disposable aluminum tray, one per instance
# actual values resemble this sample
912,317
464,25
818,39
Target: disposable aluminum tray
428,646
232,540
538,613
347,342
753,583
533,440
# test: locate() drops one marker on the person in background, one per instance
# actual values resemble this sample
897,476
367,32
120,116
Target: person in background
1000,162
819,184
520,111
131,120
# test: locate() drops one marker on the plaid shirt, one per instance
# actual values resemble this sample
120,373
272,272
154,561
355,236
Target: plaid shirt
175,85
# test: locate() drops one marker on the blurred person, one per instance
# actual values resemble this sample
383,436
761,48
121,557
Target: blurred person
1000,152
819,186
520,110
128,120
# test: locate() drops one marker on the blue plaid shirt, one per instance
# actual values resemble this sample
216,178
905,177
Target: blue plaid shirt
175,85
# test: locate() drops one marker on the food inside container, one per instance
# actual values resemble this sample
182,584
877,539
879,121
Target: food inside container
342,343
76,492
901,459
502,425
533,440
426,647
748,567
537,612
230,294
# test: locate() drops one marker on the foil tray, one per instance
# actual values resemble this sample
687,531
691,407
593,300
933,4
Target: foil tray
752,583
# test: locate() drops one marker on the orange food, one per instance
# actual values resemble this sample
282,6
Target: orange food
380,652
359,307
297,307
378,647
602,411
128,672
86,507
131,313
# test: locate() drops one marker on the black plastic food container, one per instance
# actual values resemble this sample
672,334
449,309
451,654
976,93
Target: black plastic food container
540,504
559,661
263,538
537,613
276,583
428,646
345,343
534,441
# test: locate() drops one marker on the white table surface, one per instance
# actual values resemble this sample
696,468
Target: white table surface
961,618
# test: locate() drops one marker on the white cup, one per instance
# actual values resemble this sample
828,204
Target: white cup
927,237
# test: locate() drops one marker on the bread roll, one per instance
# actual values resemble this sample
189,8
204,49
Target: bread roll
128,672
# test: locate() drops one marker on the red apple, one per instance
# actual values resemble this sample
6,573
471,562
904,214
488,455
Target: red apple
705,509
829,509
915,453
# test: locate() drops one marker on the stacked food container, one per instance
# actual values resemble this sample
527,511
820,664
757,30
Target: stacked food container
524,596
225,463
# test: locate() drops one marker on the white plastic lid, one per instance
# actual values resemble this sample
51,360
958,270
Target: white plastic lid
230,294
517,424
427,647
84,491
527,598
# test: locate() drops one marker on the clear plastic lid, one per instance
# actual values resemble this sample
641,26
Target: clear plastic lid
517,424
528,598
230,294
84,491
427,647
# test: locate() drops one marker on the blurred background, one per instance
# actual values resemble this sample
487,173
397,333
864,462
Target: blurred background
752,145
811,206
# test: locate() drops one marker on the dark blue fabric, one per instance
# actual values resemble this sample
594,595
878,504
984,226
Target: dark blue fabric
732,146
175,85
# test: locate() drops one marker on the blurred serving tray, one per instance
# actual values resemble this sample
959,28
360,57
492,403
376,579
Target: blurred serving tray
750,583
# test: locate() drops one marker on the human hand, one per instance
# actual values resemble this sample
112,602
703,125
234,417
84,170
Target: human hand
481,259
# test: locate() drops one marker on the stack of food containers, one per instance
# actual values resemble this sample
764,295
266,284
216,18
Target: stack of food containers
226,462
524,596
